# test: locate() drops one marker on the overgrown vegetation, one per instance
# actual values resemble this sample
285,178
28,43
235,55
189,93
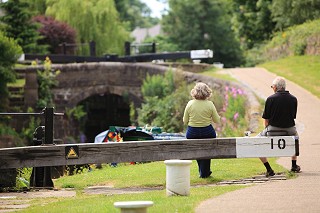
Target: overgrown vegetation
23,178
46,79
9,134
295,41
166,96
76,113
233,120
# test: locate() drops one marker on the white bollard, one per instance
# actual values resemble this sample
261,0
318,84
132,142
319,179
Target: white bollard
133,206
178,177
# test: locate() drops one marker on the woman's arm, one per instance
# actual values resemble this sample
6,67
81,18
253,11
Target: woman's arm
215,116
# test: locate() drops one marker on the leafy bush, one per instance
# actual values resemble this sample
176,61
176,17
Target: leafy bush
13,135
158,86
54,33
46,79
169,110
23,178
165,98
166,111
77,112
5,130
255,55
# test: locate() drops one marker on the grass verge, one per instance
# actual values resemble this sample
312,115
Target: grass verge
219,74
148,175
162,203
154,174
302,70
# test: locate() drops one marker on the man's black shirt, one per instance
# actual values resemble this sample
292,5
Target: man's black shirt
281,109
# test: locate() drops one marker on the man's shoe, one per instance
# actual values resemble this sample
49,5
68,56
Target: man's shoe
270,173
295,169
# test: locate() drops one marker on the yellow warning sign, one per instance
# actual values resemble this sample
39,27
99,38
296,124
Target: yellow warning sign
72,152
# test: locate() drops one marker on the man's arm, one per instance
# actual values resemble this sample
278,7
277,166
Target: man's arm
266,122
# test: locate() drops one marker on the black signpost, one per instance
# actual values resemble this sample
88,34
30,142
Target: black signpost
43,135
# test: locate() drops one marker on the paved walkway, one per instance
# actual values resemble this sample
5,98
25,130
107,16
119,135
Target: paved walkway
296,195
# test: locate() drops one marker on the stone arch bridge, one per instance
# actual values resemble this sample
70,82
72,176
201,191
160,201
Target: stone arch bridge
105,89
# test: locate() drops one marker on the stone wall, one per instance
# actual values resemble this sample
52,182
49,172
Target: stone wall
313,45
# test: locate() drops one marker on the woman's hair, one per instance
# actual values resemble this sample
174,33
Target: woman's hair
201,91
280,83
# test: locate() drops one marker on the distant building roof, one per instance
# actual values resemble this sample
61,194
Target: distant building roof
141,33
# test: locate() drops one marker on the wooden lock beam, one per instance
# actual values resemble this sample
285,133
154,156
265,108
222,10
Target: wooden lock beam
144,151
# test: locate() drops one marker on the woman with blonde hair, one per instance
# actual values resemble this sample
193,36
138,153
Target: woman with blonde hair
199,114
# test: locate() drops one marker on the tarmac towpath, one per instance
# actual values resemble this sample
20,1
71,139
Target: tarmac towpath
301,194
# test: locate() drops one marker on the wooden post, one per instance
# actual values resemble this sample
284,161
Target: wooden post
92,46
64,48
127,48
48,117
153,50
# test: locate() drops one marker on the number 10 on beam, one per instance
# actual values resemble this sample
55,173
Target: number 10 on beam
276,146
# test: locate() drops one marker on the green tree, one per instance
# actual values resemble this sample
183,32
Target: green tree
252,21
10,52
94,21
38,7
18,25
203,24
287,13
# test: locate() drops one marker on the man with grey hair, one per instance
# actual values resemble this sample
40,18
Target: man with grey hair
279,114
